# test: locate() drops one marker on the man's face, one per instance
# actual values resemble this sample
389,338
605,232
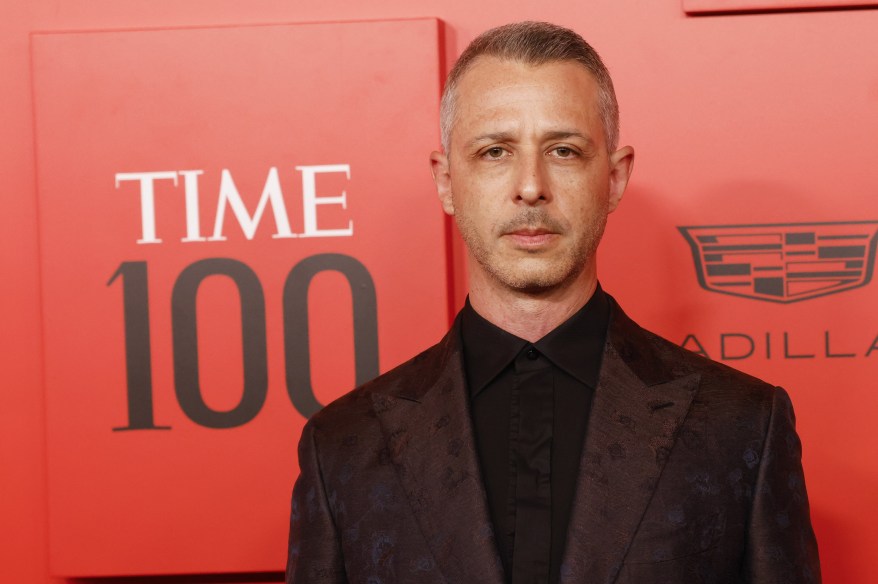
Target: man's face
528,177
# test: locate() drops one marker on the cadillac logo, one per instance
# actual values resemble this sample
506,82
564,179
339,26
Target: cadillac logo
783,262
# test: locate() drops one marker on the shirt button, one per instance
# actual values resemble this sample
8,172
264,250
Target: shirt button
533,354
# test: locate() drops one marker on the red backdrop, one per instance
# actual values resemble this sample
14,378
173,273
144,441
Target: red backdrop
759,120
221,254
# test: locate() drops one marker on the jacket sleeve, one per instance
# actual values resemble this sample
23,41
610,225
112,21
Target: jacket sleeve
314,553
781,547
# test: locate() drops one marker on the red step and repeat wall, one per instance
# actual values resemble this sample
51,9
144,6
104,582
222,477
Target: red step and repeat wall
218,217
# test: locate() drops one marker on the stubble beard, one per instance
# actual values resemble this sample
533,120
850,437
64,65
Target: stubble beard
533,272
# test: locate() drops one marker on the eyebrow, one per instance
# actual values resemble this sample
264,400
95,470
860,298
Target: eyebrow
562,134
508,137
491,137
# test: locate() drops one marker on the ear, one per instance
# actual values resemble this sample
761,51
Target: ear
442,177
621,166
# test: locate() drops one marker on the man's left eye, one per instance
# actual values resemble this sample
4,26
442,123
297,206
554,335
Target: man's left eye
564,152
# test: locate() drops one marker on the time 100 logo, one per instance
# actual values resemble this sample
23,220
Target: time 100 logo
134,280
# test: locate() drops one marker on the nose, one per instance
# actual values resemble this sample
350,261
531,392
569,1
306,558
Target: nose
532,187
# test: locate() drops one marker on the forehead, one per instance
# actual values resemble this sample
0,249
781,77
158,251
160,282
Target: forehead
495,91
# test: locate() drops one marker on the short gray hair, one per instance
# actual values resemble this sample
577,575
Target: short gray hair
533,43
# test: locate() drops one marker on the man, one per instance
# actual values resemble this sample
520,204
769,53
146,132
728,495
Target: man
547,437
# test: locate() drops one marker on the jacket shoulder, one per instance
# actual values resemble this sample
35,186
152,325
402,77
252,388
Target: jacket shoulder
656,359
405,381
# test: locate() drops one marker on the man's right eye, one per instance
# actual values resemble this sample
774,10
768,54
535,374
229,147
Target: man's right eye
495,152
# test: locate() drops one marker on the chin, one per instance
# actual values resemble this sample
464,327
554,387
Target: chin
537,281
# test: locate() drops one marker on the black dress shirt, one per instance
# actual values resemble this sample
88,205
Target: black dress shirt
530,405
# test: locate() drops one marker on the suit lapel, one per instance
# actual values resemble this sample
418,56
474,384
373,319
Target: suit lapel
639,404
637,409
431,446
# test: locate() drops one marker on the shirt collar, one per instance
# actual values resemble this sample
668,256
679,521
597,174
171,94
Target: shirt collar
576,345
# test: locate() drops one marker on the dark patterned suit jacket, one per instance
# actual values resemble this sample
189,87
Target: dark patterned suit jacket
690,473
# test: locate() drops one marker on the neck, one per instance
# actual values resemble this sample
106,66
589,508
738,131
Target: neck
530,315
